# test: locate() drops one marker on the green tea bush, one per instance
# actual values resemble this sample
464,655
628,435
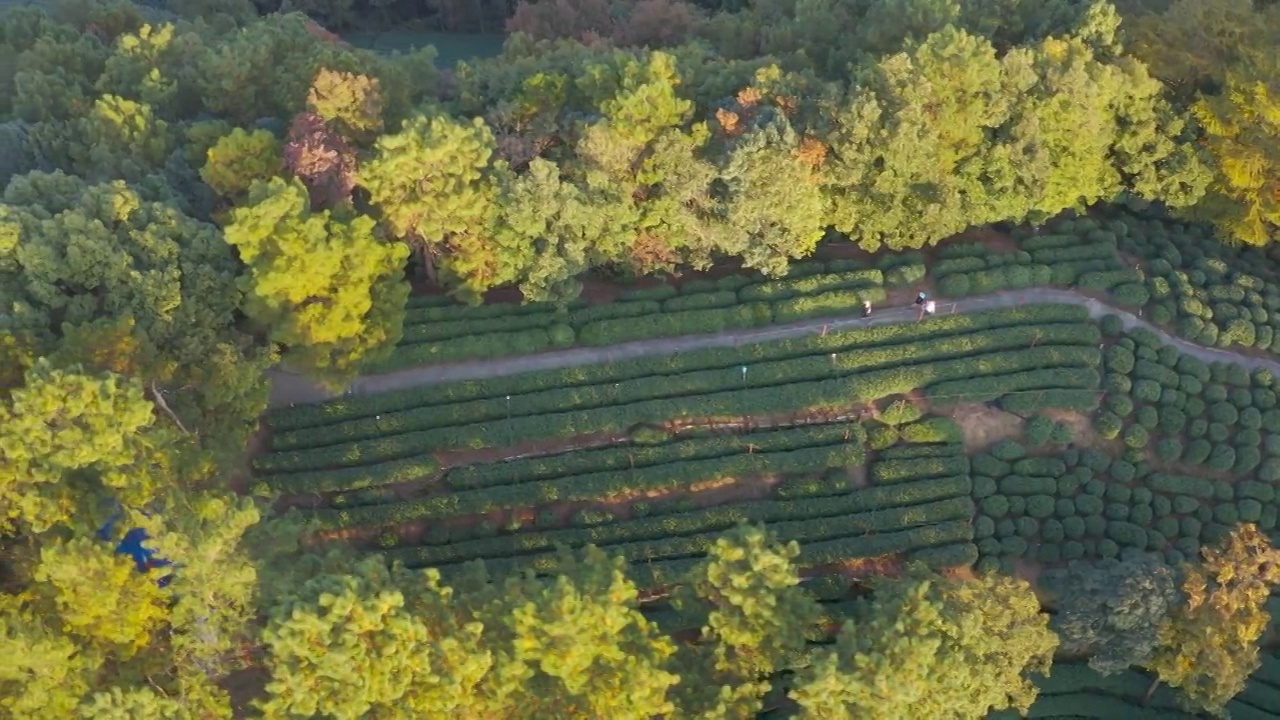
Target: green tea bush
1140,514
1087,505
1040,506
1169,449
995,506
1222,459
1028,527
1136,436
983,527
1197,451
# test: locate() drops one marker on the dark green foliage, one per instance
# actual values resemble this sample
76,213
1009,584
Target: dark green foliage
1095,460
1111,325
995,506
1119,493
1189,527
1028,527
1247,458
1114,610
1117,511
1249,510
1064,507
1172,420
1169,449
1121,405
983,527
1122,471
990,465
1088,505
1107,548
1161,505
1108,425
1038,430
1224,413
1222,459
1013,546
1040,506
1095,525
1136,436
1017,504
1008,450
1073,527
1197,451
983,486
1147,390
1227,514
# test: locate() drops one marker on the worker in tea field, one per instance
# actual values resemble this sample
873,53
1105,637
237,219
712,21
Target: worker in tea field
866,308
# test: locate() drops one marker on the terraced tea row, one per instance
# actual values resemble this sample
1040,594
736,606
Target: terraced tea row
288,421
439,331
1005,360
783,452
925,514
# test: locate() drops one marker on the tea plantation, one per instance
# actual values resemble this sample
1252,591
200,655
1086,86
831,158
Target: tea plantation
1143,417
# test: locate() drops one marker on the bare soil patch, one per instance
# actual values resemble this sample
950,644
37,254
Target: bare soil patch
984,425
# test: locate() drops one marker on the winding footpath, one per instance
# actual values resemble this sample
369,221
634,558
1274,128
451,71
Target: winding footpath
289,388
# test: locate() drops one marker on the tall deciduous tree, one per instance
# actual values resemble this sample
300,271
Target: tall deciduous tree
325,286
1210,646
936,647
1114,610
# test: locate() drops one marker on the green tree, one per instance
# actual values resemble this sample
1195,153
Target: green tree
100,257
391,644
42,671
351,103
61,425
1209,648
755,618
99,597
346,647
1114,610
238,160
775,208
324,286
930,646
434,183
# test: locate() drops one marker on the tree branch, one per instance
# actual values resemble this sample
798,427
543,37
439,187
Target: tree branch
159,398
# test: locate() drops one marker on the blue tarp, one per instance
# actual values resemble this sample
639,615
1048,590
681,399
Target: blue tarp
132,545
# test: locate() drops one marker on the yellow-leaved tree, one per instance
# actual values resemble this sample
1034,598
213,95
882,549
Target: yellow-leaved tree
1210,645
1242,131
324,285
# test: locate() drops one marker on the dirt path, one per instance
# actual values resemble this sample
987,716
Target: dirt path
290,388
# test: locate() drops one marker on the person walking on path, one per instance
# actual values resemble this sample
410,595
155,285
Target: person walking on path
866,308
